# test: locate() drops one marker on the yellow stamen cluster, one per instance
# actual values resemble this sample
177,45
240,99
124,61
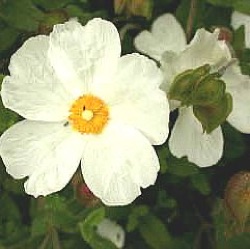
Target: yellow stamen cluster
88,115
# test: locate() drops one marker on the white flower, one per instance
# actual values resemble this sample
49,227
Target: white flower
84,103
111,231
187,137
238,19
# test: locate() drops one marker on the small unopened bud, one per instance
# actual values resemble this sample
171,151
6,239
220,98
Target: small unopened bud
225,34
85,196
237,198
82,192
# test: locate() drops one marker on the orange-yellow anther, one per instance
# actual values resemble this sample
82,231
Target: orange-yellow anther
89,114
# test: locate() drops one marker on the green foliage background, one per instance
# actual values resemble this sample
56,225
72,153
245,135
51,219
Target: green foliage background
184,209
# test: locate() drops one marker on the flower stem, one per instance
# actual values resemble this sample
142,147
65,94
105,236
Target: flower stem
191,17
45,242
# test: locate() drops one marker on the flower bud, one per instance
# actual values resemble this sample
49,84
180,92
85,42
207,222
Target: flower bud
82,192
214,115
225,34
237,198
85,196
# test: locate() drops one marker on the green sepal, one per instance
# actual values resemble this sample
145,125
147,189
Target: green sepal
214,115
182,88
209,90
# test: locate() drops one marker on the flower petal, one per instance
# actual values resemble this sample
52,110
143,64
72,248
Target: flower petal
32,90
48,153
166,35
239,19
188,139
117,163
111,231
84,55
238,85
203,49
169,32
135,99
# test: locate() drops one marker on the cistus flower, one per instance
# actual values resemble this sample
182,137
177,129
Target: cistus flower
167,44
84,103
111,231
239,19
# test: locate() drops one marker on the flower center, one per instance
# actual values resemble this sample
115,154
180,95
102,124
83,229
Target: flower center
88,114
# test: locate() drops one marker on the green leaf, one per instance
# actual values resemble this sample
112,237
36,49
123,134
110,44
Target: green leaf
181,167
216,16
201,183
235,145
8,37
50,19
51,4
134,218
163,153
182,13
84,15
55,213
239,39
165,201
1,78
240,5
225,3
13,186
154,232
21,14
88,230
8,209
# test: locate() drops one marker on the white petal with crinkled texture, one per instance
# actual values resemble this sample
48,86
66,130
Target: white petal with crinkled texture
238,85
48,153
146,43
169,32
32,90
135,99
239,19
203,49
84,55
166,35
188,139
117,163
